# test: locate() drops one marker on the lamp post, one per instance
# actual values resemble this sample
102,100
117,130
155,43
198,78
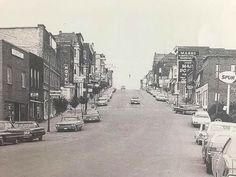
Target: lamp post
49,96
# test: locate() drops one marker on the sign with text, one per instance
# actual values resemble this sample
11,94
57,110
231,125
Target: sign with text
66,71
193,53
227,76
184,67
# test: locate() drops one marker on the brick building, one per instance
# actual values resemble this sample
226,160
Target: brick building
75,41
36,92
208,84
40,42
14,82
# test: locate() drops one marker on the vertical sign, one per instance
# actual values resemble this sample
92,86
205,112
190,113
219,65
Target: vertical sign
66,71
184,67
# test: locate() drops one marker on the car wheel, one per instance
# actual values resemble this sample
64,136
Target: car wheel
40,138
208,168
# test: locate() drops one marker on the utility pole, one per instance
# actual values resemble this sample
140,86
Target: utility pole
87,82
218,87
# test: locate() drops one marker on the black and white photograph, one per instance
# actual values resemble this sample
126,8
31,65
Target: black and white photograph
117,88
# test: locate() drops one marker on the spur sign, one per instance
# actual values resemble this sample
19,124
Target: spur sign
228,77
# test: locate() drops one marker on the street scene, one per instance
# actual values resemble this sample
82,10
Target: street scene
131,140
128,88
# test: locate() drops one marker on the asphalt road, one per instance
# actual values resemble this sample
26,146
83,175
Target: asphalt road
146,140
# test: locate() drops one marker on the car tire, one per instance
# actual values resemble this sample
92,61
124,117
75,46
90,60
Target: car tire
208,168
40,138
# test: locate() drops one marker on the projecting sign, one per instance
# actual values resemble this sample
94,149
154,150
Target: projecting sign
66,76
227,76
184,67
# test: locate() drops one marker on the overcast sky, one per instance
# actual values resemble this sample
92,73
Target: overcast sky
128,32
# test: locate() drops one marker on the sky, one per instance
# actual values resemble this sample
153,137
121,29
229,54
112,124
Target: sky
128,32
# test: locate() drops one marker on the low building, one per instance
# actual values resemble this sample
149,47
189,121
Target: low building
14,82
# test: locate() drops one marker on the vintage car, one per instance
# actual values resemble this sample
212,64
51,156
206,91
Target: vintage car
31,129
224,163
92,115
200,135
186,109
161,97
134,100
10,134
200,117
102,101
70,123
214,146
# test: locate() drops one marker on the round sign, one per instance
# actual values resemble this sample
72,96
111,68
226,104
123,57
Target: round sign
227,76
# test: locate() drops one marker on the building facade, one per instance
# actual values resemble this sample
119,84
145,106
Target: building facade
14,82
40,42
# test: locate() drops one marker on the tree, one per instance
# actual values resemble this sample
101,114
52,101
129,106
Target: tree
60,104
74,102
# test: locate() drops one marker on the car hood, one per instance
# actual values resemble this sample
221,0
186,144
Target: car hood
201,119
12,130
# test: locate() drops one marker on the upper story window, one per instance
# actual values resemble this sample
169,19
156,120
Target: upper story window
217,70
233,68
9,75
23,80
31,77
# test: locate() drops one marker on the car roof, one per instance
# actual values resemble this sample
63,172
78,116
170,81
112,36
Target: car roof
222,123
24,122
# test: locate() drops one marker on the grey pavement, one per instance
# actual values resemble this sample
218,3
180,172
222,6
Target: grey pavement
147,140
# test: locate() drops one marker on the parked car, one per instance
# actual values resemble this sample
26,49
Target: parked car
31,129
70,122
224,163
200,117
214,146
161,97
102,101
135,100
10,134
200,134
122,87
92,116
217,127
186,109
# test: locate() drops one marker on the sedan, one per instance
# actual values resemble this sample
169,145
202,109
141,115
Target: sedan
72,123
161,97
92,116
102,101
200,117
31,129
135,100
10,134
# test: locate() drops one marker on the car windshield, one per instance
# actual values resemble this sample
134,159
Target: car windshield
69,119
5,125
102,99
26,125
201,115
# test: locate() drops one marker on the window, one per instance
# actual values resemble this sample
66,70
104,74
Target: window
233,68
35,79
74,52
9,75
38,78
217,70
31,77
23,80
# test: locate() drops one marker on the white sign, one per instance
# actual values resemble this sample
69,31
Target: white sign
17,53
227,76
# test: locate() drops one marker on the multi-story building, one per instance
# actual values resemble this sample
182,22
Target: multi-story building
75,42
36,91
40,42
14,82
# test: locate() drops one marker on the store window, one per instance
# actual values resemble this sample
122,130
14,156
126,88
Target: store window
217,70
